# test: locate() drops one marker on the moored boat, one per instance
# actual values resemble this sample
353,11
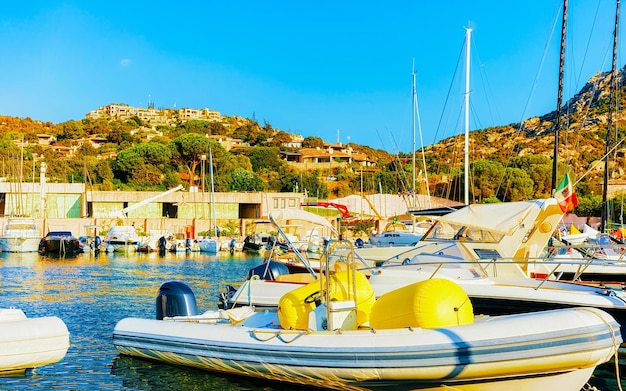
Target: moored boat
61,243
28,343
121,238
421,337
209,245
20,235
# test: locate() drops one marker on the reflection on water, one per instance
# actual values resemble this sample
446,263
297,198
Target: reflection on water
146,375
91,293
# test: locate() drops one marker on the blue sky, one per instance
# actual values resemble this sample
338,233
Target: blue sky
339,70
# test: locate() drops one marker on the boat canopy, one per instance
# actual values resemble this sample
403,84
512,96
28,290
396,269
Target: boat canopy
298,214
504,218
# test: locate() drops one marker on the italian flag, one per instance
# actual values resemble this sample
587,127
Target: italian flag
565,195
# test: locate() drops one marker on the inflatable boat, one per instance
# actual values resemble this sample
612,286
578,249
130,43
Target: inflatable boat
334,333
27,343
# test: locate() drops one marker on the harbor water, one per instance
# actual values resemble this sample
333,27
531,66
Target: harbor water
92,293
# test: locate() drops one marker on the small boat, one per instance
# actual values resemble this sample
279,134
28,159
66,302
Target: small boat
151,242
573,235
61,243
121,238
258,241
20,236
209,245
423,336
398,234
28,343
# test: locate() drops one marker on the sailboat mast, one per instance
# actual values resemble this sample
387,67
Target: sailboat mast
612,90
419,126
557,126
468,33
212,190
414,114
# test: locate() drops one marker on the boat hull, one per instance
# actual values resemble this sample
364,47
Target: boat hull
541,350
20,244
30,342
20,236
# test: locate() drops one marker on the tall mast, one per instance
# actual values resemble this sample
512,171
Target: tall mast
212,190
468,33
414,114
419,126
612,90
557,126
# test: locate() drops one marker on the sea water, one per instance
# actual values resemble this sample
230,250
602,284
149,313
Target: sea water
92,293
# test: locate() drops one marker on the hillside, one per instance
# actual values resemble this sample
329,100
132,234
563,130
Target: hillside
582,136
136,155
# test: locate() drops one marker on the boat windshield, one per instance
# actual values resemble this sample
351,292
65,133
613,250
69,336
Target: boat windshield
449,232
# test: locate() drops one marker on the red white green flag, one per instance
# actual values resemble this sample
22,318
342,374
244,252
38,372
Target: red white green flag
565,195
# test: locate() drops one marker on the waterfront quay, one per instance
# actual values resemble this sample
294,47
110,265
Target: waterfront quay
77,208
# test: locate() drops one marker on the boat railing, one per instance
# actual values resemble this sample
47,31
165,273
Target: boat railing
543,269
601,251
292,247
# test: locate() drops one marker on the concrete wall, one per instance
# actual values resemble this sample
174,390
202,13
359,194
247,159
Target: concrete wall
73,207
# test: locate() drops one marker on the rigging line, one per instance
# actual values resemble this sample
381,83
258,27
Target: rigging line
593,25
452,82
399,165
419,126
556,19
488,91
382,144
602,158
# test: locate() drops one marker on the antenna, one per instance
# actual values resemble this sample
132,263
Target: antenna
338,140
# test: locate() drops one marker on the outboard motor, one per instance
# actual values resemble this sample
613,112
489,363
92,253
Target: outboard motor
231,246
175,299
268,270
162,245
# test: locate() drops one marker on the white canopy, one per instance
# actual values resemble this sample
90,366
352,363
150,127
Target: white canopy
504,218
297,214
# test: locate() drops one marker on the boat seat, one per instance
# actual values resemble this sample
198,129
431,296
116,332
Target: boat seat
297,277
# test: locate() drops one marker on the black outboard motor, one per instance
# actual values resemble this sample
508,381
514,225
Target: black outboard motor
175,299
162,245
268,270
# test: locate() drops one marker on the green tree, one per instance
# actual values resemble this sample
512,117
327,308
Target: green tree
189,149
70,130
517,185
312,142
265,158
589,205
313,186
243,180
487,176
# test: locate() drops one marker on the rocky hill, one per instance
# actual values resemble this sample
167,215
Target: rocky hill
584,125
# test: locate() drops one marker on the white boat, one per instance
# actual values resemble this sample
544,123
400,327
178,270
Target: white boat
121,238
397,234
209,245
572,235
150,242
27,343
460,247
20,235
423,336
